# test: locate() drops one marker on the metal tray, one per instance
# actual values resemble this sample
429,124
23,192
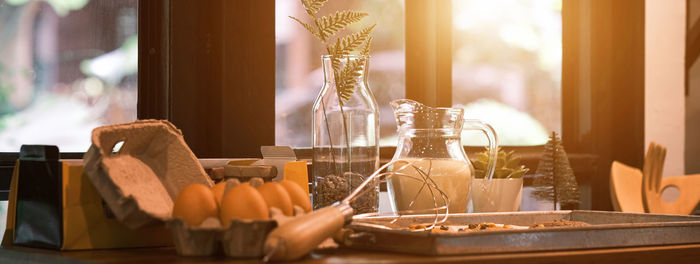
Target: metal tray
607,230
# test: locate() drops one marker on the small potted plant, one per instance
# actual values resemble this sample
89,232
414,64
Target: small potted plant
504,192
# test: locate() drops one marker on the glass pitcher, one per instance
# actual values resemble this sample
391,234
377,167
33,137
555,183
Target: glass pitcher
430,138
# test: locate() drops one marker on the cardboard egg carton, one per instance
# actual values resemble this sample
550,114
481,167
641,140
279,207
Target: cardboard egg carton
141,180
242,239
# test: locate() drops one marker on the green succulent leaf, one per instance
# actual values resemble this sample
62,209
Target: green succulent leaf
508,155
518,173
502,173
513,162
483,156
507,165
480,165
501,162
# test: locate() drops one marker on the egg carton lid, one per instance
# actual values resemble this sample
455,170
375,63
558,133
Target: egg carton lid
140,181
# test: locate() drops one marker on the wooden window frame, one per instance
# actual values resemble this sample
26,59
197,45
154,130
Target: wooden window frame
428,79
603,86
602,81
209,67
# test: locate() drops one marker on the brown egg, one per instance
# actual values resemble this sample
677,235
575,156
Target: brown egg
194,204
218,191
297,194
276,195
243,202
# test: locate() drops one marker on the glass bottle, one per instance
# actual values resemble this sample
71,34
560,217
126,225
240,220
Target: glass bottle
345,136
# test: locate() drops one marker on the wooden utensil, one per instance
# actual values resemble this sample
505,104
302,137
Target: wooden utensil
653,185
626,187
299,236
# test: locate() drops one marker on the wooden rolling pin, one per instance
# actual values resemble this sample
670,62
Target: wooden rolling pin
298,237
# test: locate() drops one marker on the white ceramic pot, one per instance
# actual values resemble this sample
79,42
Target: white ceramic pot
501,195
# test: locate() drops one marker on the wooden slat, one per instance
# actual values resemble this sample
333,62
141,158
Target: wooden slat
196,73
153,81
692,45
248,98
209,67
603,85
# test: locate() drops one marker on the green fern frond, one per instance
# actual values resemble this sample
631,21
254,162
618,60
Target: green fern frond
312,6
329,25
344,46
308,27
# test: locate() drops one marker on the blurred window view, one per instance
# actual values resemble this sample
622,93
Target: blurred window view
506,67
299,75
66,67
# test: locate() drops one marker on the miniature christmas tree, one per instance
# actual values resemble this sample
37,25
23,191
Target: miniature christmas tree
557,182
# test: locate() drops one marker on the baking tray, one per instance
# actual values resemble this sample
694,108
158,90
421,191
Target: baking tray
607,230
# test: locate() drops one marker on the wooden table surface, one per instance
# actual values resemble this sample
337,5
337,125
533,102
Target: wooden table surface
655,254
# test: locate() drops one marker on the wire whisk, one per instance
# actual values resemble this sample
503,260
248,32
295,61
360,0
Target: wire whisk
440,199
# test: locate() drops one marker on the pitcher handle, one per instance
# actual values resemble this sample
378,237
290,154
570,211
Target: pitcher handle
471,124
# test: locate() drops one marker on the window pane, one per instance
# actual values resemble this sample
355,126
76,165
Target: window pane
66,67
507,67
299,75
